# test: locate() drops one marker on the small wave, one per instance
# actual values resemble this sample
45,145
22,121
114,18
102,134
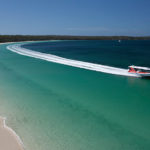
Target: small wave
12,131
75,63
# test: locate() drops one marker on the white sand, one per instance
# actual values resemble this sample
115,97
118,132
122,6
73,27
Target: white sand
8,138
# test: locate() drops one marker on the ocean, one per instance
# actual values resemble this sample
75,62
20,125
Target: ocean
113,53
60,107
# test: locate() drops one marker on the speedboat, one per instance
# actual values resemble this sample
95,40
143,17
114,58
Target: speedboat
140,71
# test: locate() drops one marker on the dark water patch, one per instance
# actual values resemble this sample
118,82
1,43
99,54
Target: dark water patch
113,53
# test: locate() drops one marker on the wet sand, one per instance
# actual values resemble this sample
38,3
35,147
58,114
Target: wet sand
8,138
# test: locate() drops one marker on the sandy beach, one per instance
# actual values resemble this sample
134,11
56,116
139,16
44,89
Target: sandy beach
6,43
8,138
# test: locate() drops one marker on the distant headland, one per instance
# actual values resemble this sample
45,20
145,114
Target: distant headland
17,38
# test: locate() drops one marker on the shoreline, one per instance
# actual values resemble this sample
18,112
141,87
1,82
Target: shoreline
14,42
8,137
9,140
6,43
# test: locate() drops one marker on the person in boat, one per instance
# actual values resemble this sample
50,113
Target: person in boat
139,70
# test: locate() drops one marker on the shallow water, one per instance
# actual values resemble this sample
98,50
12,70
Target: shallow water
53,106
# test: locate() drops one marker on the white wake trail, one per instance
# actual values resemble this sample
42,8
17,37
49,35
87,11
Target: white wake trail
75,63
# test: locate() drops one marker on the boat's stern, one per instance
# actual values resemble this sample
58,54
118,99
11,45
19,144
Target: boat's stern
140,71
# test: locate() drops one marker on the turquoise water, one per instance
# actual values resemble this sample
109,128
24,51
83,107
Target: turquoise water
58,107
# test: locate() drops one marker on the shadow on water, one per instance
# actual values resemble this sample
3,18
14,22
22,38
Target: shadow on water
140,81
145,78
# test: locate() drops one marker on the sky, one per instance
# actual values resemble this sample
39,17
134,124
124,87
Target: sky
75,17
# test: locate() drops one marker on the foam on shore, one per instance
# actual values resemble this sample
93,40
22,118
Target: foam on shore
75,63
18,144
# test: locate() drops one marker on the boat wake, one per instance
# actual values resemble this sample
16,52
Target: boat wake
75,63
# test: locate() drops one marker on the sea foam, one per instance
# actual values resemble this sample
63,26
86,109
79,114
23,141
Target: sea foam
12,131
75,63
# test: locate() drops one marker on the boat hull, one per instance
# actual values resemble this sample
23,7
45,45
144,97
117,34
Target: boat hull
144,74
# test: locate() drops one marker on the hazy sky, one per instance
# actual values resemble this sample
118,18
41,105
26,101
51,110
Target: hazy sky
75,17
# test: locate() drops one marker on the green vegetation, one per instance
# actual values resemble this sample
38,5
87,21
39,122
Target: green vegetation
17,38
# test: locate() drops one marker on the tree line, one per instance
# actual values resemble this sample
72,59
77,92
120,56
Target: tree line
17,38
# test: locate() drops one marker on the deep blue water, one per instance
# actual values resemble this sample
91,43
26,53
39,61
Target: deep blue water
106,52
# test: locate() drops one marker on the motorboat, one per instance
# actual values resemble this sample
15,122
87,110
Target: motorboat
140,71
